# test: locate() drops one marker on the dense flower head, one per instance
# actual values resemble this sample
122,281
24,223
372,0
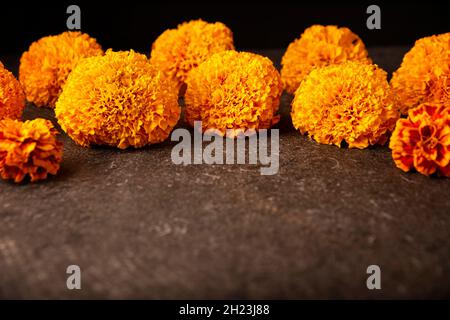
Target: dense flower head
319,46
118,99
233,90
47,63
28,148
177,51
12,97
422,141
348,102
424,75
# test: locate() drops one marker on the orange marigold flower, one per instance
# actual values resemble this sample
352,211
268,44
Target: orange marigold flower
47,63
118,99
12,98
424,75
422,141
28,148
348,102
233,90
320,46
178,51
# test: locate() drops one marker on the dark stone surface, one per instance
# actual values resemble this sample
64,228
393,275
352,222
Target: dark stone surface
142,227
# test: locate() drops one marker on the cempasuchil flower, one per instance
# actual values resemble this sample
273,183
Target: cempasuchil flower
422,141
233,90
177,51
47,63
118,99
28,148
424,75
320,46
12,98
348,102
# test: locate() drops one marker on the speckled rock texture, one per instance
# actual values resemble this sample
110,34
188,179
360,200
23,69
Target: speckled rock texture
141,227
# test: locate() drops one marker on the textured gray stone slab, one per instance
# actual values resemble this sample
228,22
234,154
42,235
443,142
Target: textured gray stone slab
142,227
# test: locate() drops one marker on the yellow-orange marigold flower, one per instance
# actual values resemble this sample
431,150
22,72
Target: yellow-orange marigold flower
47,63
422,141
28,148
424,75
348,102
177,51
320,46
118,99
233,90
12,98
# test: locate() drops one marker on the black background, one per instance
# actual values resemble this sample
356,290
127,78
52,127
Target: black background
258,25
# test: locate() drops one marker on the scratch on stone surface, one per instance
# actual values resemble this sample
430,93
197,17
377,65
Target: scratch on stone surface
113,165
8,250
213,176
416,262
163,230
179,227
337,164
386,215
407,180
409,238
122,183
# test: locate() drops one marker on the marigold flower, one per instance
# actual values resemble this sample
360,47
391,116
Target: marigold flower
319,46
12,98
348,102
118,99
28,148
424,75
177,51
47,63
422,141
233,90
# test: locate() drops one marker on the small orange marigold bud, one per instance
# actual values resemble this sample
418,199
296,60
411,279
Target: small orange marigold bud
422,141
348,102
12,98
234,90
47,63
178,51
118,99
424,75
320,46
28,148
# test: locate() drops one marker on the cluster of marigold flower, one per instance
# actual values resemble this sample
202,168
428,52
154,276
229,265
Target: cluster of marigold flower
125,99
